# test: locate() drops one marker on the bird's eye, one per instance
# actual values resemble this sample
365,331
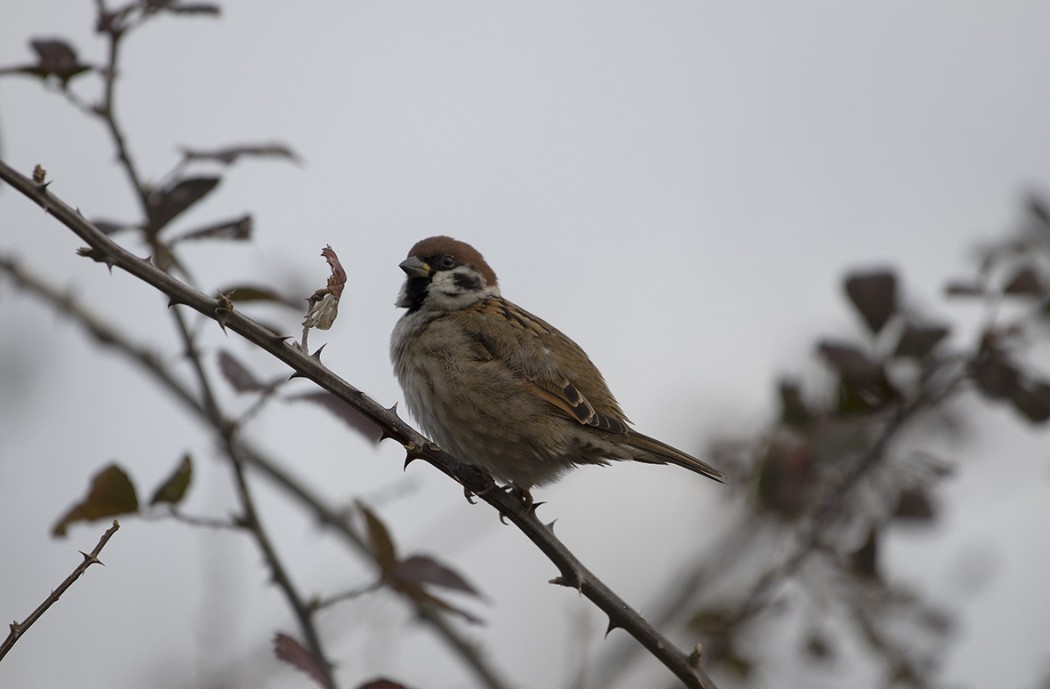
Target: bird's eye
447,261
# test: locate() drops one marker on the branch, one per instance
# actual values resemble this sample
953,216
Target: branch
20,628
573,573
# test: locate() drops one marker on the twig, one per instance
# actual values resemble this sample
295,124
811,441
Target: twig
573,573
20,628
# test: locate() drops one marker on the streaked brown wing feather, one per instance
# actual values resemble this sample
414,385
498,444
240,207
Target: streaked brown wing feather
559,371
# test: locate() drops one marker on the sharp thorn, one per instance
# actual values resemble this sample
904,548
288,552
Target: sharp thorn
317,354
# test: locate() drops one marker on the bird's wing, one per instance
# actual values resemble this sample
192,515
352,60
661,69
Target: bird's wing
552,364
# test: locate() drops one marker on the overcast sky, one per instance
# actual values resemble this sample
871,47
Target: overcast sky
679,186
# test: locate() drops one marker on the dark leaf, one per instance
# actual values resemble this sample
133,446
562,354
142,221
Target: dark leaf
1032,399
237,374
381,683
1025,283
996,377
174,488
875,296
238,229
55,58
917,341
229,155
111,494
914,505
958,288
864,561
380,543
292,652
350,416
423,569
167,203
863,385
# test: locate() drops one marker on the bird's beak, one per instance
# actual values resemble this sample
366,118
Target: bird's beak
415,268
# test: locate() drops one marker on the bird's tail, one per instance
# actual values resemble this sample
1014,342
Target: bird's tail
653,451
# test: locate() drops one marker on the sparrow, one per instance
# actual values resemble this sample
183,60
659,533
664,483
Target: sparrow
500,388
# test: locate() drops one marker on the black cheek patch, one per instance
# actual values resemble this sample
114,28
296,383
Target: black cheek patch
466,282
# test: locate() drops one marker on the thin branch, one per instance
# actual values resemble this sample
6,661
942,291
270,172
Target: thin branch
20,628
573,573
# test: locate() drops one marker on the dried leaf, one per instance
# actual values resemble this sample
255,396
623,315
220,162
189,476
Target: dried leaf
230,155
350,416
111,494
167,203
238,229
917,341
292,652
380,543
324,303
174,488
874,294
423,569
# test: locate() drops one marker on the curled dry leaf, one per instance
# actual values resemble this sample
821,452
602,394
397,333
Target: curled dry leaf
111,494
324,303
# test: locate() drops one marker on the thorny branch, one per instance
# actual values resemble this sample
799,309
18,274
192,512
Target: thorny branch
572,571
20,628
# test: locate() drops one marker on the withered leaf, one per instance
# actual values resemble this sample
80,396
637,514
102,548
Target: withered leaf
874,294
174,488
111,494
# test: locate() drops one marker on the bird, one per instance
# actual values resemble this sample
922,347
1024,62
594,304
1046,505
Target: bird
500,388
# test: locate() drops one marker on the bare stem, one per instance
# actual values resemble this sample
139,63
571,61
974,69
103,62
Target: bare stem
20,628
